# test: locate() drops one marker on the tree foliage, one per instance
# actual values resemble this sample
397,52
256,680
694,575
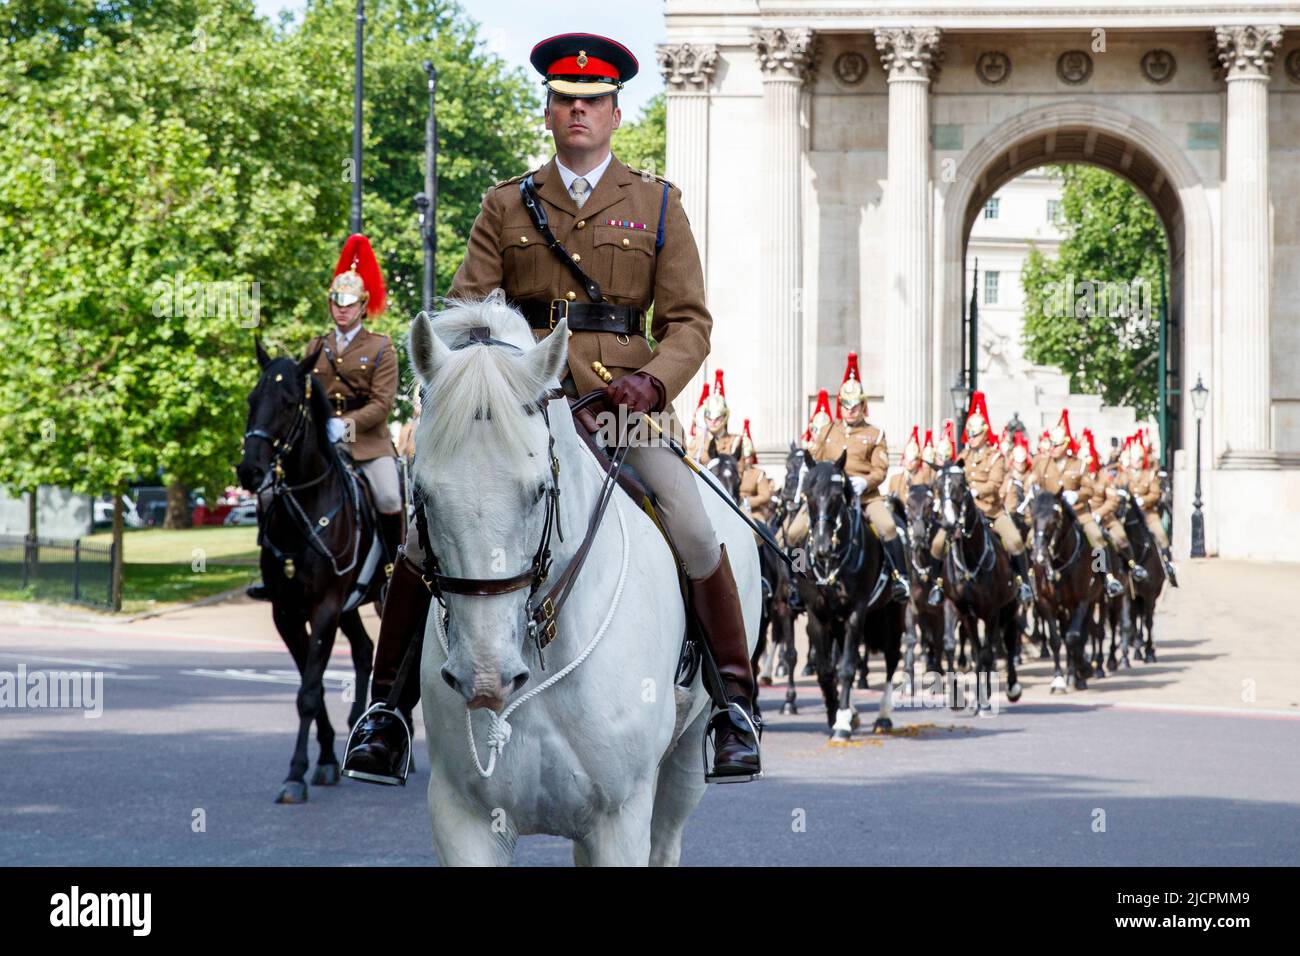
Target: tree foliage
158,147
1085,310
642,144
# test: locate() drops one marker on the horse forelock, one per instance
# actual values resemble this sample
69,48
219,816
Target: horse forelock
482,394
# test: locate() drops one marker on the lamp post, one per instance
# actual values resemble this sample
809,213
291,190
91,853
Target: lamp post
426,202
1200,394
959,398
358,91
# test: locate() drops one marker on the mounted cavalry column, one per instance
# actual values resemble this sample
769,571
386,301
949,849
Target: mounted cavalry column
910,56
688,69
786,58
1246,54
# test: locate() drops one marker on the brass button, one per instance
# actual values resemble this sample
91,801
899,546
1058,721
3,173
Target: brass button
570,295
626,241
582,224
523,238
577,258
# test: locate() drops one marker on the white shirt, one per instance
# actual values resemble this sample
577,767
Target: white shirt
593,177
342,341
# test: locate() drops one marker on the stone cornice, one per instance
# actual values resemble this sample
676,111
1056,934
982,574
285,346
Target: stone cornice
687,66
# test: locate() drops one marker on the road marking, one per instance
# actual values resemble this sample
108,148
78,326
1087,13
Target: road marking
93,665
336,678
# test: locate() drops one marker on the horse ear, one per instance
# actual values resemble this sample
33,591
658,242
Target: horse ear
713,448
426,349
309,363
263,359
546,359
840,462
808,459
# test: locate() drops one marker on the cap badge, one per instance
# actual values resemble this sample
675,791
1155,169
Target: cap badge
582,58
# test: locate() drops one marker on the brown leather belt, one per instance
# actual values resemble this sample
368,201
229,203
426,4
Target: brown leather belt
585,316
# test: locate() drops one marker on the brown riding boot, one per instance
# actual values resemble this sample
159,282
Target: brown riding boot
379,750
717,606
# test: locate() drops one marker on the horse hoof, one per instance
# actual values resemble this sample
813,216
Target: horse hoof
1044,653
1016,660
765,681
326,775
1058,685
855,721
1125,663
1080,684
788,709
781,671
1150,657
1098,672
883,725
862,684
1014,692
293,791
807,671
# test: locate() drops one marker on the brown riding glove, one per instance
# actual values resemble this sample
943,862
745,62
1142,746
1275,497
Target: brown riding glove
640,392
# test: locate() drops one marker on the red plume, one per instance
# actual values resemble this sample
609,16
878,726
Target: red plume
698,405
977,404
717,383
850,371
359,257
753,459
1094,461
823,405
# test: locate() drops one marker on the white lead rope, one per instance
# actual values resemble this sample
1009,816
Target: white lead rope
499,733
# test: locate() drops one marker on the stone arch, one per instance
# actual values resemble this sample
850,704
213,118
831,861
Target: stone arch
1083,132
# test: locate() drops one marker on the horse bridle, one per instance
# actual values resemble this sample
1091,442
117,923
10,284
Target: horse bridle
541,614
958,534
281,447
855,526
1051,545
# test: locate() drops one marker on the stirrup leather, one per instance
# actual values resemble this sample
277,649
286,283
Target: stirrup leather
383,708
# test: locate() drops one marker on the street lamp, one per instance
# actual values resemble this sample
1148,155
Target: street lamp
1200,394
959,399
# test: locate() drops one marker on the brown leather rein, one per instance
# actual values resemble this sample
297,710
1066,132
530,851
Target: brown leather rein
541,613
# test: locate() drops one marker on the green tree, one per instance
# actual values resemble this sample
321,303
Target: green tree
643,144
1085,310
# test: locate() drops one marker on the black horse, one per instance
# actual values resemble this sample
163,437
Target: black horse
322,556
977,579
931,622
1067,588
847,595
1141,595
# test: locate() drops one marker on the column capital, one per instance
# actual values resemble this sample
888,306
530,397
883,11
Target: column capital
687,66
786,54
1246,51
910,52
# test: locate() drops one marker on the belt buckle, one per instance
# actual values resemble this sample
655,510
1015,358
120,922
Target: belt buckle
339,402
563,302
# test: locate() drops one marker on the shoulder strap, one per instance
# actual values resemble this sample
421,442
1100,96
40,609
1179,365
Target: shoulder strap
533,203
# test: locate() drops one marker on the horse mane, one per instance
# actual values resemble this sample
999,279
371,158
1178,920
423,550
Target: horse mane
481,392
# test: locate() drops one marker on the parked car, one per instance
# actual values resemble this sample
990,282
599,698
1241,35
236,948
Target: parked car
102,513
242,514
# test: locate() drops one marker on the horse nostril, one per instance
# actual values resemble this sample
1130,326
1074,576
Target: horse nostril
450,678
515,682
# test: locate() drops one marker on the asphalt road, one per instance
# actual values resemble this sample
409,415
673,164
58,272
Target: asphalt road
184,729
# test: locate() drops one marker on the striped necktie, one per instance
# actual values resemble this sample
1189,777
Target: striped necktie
580,190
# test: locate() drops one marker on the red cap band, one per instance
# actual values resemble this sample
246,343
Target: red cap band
568,66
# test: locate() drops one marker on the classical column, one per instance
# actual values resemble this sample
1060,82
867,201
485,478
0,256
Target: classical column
787,60
688,69
909,55
1246,56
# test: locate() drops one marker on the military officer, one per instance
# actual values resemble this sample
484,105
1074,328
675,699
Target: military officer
622,244
985,472
716,416
820,421
915,471
1016,489
358,370
946,450
1146,490
866,464
928,454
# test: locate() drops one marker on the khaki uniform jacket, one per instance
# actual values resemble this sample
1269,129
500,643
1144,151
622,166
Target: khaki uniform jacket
1102,498
986,469
756,488
1145,486
868,454
728,444
1016,488
900,485
506,251
1057,476
370,364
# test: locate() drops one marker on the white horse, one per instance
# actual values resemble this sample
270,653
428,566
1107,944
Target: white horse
601,746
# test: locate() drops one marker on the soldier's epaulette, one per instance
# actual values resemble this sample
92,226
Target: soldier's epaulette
647,175
515,179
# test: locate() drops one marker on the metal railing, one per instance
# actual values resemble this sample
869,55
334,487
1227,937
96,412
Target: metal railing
46,570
